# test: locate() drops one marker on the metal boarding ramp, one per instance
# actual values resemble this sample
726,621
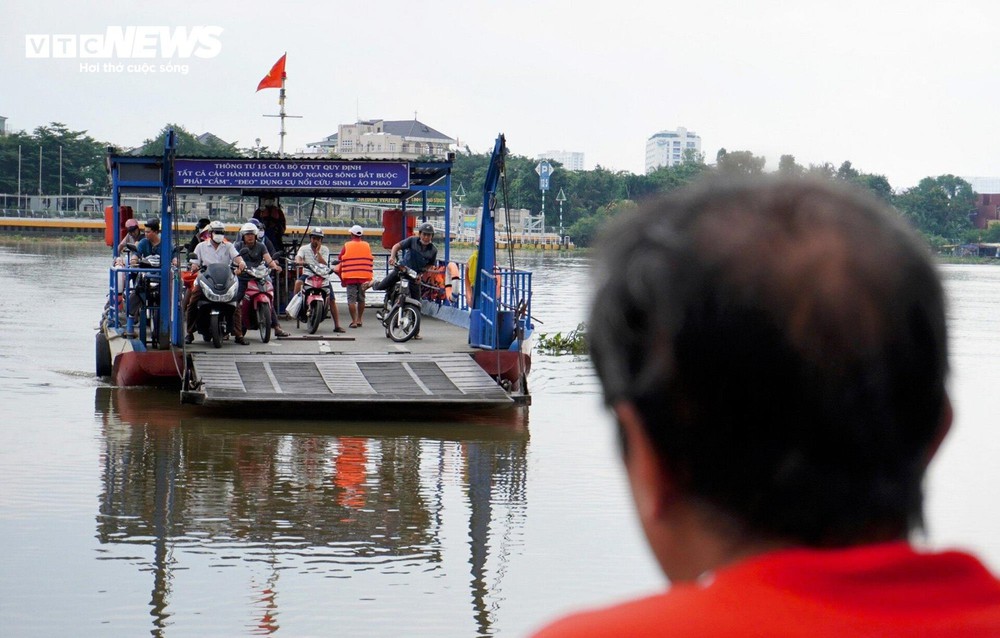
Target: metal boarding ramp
218,379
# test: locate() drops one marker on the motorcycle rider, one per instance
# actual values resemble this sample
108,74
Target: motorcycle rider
213,250
257,252
356,269
315,254
419,253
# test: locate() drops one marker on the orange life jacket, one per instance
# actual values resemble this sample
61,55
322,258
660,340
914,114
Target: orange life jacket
433,277
357,264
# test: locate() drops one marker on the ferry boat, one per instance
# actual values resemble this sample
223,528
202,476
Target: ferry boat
473,351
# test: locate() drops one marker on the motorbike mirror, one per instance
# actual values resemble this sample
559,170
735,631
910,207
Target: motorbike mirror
131,248
244,251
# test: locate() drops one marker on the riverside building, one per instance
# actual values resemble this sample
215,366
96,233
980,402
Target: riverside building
666,148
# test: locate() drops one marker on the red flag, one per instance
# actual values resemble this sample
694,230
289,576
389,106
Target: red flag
273,79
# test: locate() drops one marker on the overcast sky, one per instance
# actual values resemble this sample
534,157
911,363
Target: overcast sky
907,89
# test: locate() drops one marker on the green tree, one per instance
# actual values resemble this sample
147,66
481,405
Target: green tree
81,165
739,163
585,230
939,206
825,169
188,145
788,166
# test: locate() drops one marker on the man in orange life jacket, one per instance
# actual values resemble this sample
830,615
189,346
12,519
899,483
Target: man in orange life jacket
775,352
356,268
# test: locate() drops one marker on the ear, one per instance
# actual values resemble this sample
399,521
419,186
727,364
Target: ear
947,416
651,486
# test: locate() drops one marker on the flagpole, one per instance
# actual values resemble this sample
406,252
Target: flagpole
267,83
281,103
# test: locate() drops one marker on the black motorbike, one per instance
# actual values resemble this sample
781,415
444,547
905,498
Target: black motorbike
400,313
144,298
217,306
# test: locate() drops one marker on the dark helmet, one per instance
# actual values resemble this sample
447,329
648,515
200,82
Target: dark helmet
426,227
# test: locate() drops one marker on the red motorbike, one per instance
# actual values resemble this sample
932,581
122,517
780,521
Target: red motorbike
258,300
316,292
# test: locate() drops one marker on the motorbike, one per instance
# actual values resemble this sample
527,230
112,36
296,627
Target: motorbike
316,292
400,313
144,298
257,301
217,307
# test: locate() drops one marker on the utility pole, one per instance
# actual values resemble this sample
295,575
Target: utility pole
19,176
59,205
39,170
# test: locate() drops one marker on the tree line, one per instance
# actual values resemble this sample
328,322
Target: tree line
939,207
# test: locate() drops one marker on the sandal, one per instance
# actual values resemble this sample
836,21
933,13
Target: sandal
189,339
281,333
339,329
243,341
353,325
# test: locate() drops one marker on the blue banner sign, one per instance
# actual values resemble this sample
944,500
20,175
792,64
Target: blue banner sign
273,174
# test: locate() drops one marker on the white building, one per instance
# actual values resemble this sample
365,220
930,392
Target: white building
571,160
383,139
666,148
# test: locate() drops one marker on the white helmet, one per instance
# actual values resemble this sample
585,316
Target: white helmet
218,231
248,229
356,230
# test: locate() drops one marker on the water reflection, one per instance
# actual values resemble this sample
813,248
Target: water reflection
332,500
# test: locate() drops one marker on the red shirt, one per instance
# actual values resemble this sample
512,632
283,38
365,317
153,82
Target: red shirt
889,591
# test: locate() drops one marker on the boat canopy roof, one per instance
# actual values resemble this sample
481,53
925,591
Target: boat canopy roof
335,178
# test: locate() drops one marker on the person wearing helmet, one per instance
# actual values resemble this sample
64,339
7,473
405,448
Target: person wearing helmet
316,255
272,218
356,268
213,250
418,253
252,248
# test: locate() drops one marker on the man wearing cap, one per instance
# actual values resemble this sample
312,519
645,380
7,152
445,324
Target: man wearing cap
150,244
132,234
356,268
199,234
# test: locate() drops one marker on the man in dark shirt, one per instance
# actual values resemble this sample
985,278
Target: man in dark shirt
418,253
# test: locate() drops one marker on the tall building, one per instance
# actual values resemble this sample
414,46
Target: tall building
384,139
571,160
666,148
3,125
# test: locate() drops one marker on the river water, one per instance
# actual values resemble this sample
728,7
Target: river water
123,513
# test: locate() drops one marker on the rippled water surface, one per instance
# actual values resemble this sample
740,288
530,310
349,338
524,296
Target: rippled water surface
123,513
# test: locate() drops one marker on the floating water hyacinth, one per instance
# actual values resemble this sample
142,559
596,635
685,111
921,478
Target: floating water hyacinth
573,342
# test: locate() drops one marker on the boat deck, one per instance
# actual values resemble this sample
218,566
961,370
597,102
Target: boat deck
358,366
